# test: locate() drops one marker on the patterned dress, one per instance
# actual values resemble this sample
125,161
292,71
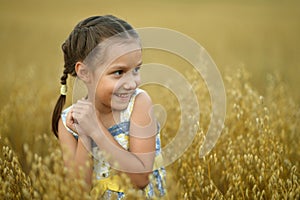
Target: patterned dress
120,132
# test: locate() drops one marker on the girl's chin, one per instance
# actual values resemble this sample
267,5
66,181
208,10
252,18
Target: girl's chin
119,106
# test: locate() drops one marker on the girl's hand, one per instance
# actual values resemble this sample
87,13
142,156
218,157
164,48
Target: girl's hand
84,118
70,121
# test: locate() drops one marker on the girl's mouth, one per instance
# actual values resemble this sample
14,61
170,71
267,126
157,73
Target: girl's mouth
123,96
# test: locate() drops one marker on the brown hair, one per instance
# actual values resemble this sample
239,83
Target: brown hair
86,35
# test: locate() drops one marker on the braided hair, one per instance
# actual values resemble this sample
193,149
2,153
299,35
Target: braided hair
86,35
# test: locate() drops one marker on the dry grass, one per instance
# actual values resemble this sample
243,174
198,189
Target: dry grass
255,158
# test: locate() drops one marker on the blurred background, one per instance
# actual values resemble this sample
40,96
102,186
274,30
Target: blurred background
260,36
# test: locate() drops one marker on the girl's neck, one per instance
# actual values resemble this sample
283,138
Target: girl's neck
108,119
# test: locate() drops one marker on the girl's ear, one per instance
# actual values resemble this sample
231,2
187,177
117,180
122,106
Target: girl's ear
83,72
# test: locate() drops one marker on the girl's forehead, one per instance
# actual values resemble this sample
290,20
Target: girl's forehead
129,59
119,52
121,57
120,49
112,50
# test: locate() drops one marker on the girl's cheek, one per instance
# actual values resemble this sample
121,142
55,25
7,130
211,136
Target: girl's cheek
138,82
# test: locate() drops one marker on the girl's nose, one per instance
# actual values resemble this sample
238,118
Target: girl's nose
130,84
131,81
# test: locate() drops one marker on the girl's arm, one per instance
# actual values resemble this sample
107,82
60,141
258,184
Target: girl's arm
142,135
76,154
137,163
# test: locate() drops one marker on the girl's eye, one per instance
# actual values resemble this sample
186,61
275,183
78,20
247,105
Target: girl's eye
136,70
118,72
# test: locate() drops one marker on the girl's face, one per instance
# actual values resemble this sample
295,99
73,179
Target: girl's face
118,82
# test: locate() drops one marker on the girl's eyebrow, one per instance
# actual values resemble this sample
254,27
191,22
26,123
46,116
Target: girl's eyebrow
140,63
120,65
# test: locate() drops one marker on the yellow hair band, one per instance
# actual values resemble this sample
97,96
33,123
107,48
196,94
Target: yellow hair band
63,90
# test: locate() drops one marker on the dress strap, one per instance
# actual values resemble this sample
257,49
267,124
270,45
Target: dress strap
125,114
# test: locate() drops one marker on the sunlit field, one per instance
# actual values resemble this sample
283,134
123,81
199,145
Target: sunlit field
256,46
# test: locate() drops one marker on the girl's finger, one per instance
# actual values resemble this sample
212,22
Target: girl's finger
70,116
76,115
77,107
84,102
70,121
75,122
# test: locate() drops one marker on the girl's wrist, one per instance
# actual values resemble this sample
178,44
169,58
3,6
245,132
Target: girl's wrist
96,135
97,132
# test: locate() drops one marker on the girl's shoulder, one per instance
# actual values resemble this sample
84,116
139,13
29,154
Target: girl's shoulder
142,99
137,93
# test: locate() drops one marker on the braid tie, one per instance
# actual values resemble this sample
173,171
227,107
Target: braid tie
63,90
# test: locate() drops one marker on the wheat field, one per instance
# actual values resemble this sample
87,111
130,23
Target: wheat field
255,46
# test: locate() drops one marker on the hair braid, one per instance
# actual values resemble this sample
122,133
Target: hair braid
63,79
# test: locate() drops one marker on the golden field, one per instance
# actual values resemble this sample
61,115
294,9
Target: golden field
255,45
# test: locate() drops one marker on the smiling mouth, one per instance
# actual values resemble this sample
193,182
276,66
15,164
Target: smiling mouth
123,95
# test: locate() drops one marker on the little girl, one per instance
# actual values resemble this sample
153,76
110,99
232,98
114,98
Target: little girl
115,121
